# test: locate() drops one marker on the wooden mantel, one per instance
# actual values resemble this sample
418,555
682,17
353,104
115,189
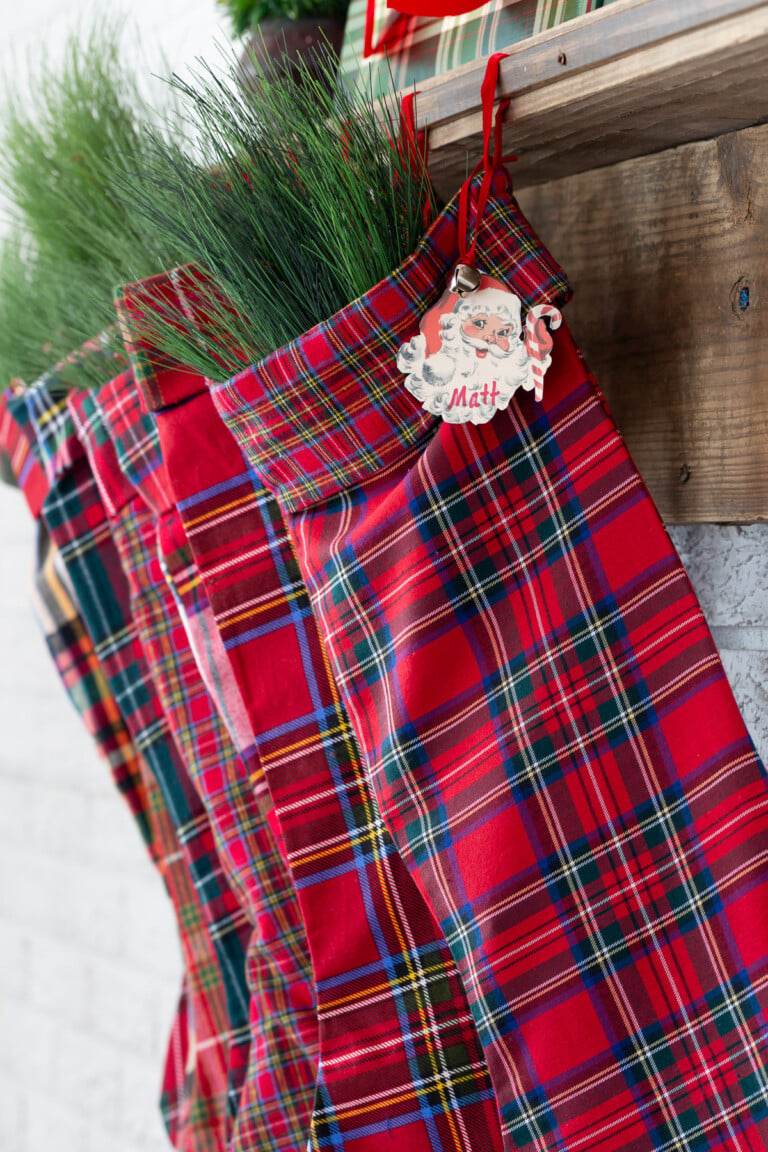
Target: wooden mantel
636,77
640,170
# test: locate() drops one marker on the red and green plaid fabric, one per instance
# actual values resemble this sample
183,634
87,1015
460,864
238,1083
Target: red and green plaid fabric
21,466
131,527
284,1016
76,519
419,47
399,1055
194,608
173,1088
397,1048
124,451
547,726
82,676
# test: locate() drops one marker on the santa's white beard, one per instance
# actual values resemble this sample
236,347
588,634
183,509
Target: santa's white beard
508,368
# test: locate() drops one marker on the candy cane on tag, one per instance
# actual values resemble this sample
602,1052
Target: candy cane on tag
538,342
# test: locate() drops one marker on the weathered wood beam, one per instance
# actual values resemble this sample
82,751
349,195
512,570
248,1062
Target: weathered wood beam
669,261
637,77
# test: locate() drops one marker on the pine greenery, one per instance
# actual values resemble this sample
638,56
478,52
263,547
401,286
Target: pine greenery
71,240
295,200
292,199
43,317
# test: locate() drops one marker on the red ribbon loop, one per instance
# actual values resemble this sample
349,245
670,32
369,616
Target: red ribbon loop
490,163
417,147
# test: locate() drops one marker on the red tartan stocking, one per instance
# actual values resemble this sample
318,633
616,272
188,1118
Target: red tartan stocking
399,1055
276,1052
548,731
83,676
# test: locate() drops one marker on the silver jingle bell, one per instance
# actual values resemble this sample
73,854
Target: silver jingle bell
465,279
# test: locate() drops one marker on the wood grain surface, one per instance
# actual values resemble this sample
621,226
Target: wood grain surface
637,77
668,255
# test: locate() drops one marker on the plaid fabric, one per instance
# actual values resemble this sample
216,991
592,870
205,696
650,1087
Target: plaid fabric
416,48
81,673
82,676
283,1032
196,615
132,531
17,443
75,517
399,1055
65,634
283,1070
551,739
314,430
178,1057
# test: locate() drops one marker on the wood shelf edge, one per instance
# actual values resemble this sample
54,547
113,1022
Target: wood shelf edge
639,77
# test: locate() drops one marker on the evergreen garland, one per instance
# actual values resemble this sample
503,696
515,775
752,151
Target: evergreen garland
295,201
64,136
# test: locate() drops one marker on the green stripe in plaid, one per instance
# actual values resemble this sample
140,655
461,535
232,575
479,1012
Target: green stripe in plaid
162,642
554,749
427,47
399,1054
123,448
76,520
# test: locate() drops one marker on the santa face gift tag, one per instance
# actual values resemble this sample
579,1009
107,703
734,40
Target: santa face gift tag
472,352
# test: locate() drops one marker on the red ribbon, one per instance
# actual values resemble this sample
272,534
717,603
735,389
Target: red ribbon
417,147
399,24
392,36
435,9
491,162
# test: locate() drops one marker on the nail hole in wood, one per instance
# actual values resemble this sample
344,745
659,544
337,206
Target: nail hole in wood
741,297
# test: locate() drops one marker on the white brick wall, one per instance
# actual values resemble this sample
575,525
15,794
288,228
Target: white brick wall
89,965
729,570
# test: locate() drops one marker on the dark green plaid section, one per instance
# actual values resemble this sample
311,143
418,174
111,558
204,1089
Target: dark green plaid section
74,514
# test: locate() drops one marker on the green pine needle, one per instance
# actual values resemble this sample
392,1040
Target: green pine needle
72,240
302,202
42,316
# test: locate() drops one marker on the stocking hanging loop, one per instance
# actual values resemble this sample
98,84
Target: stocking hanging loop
490,163
416,145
